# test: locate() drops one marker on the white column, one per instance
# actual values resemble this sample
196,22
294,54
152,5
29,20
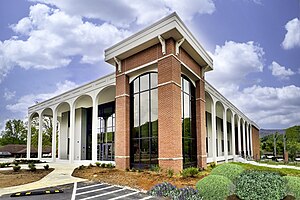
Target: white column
251,144
244,138
94,130
233,135
248,140
29,138
58,142
72,134
225,134
239,137
214,132
40,140
54,130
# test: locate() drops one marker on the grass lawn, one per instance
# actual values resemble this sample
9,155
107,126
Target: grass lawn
283,171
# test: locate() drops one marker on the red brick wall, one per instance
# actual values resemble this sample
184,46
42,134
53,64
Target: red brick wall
255,143
189,61
169,114
122,134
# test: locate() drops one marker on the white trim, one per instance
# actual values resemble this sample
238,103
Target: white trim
122,95
178,44
118,62
180,158
163,44
168,82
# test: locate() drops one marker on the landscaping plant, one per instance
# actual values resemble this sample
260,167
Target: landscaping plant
231,171
189,172
168,190
46,167
293,186
31,167
16,168
260,185
170,172
215,187
97,164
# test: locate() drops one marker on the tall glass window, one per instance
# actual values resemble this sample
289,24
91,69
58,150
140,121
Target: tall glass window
106,132
144,121
188,114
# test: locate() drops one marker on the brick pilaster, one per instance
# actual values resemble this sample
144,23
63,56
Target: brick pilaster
200,124
122,134
169,114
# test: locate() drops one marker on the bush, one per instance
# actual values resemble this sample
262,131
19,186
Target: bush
170,172
189,172
156,168
214,187
212,165
46,167
110,165
81,167
2,165
230,171
103,165
31,167
163,190
168,190
97,164
16,168
293,186
260,185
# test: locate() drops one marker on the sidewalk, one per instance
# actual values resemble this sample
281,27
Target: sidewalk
272,166
61,175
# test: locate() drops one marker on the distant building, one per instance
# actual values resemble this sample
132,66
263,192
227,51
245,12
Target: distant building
156,109
20,151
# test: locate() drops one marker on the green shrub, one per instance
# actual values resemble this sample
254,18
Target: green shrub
81,167
103,165
215,187
46,167
16,168
170,172
110,165
97,164
293,186
212,165
189,172
31,167
228,170
156,168
2,165
260,185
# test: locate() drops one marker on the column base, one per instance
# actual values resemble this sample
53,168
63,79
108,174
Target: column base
202,161
176,165
122,163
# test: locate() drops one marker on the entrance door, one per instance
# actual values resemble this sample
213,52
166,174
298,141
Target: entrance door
107,151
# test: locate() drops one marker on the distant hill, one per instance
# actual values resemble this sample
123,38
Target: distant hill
266,132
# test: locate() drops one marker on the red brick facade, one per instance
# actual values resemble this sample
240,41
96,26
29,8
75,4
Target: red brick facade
255,143
169,107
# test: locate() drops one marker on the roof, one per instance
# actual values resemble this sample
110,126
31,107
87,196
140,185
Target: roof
168,27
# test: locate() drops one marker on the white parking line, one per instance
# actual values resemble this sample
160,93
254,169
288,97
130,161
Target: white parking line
99,195
145,198
89,186
74,191
90,191
126,195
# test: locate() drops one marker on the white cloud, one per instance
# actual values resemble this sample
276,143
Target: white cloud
8,95
233,62
24,102
280,71
272,107
53,39
292,37
132,11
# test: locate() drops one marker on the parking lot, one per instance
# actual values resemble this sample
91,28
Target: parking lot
85,191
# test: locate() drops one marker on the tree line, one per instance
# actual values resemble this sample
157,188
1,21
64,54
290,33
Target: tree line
15,132
292,137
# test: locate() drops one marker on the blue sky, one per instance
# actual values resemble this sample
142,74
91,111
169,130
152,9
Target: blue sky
50,46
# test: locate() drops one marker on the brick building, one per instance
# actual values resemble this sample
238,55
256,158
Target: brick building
156,109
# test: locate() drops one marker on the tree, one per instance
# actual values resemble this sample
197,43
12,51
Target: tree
293,141
15,133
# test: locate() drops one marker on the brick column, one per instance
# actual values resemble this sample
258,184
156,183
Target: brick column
169,114
200,124
122,134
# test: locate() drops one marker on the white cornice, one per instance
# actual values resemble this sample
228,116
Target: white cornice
170,26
